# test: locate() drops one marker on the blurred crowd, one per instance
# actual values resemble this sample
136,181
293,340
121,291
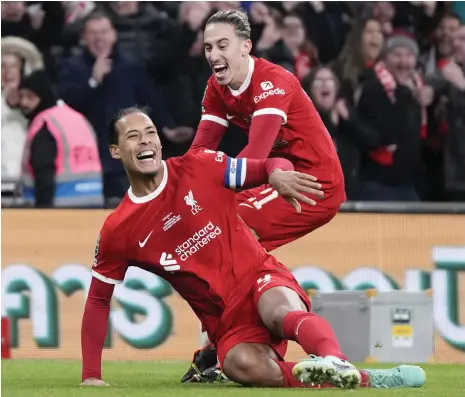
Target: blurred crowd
388,79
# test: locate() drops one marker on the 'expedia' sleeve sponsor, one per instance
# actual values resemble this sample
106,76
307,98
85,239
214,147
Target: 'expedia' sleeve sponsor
273,95
109,265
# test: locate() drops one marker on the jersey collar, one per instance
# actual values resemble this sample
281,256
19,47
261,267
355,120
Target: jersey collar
154,194
247,80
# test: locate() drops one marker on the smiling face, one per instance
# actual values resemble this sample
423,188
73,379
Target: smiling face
138,145
372,40
323,89
226,53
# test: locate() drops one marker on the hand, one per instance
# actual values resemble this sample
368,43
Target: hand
102,67
178,134
425,95
342,110
258,12
94,382
391,148
290,184
454,75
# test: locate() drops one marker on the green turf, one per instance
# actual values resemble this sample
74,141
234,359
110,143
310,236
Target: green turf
29,378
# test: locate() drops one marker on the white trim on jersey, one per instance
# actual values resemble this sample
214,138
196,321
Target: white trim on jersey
235,173
105,279
155,193
216,119
247,80
275,111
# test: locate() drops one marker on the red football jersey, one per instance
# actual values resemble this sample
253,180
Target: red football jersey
270,89
187,231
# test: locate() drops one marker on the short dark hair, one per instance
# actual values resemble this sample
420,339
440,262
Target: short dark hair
112,130
236,18
95,15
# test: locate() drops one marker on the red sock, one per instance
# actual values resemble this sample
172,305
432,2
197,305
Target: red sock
313,333
290,382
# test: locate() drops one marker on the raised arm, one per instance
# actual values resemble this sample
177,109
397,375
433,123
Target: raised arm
241,173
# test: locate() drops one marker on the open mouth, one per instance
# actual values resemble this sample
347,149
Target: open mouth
220,70
325,93
146,156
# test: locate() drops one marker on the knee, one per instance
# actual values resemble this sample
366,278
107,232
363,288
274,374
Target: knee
275,320
250,369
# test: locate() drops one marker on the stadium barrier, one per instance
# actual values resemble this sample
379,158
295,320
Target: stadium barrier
47,257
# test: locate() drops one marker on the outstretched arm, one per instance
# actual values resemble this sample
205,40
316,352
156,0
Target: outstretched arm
94,331
214,121
263,132
278,172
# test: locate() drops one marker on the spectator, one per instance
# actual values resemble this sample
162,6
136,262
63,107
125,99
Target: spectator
442,45
61,162
19,57
359,54
41,23
159,43
184,90
384,12
454,90
327,24
348,132
144,34
75,15
304,53
394,102
100,82
266,36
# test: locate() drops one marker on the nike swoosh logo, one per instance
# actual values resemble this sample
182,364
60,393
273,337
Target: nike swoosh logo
229,117
264,285
142,244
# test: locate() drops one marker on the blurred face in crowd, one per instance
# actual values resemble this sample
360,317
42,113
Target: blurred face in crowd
383,11
401,62
323,89
11,70
99,37
139,147
28,101
293,32
444,35
227,54
124,8
459,45
13,11
372,40
227,5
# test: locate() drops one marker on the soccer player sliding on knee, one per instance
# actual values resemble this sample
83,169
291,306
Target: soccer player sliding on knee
249,303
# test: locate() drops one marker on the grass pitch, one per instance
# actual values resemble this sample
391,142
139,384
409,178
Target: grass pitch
44,378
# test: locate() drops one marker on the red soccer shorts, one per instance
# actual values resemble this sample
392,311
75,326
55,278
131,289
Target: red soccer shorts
245,324
276,222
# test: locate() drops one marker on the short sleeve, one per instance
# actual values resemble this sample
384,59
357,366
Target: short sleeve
273,96
109,264
213,108
226,171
